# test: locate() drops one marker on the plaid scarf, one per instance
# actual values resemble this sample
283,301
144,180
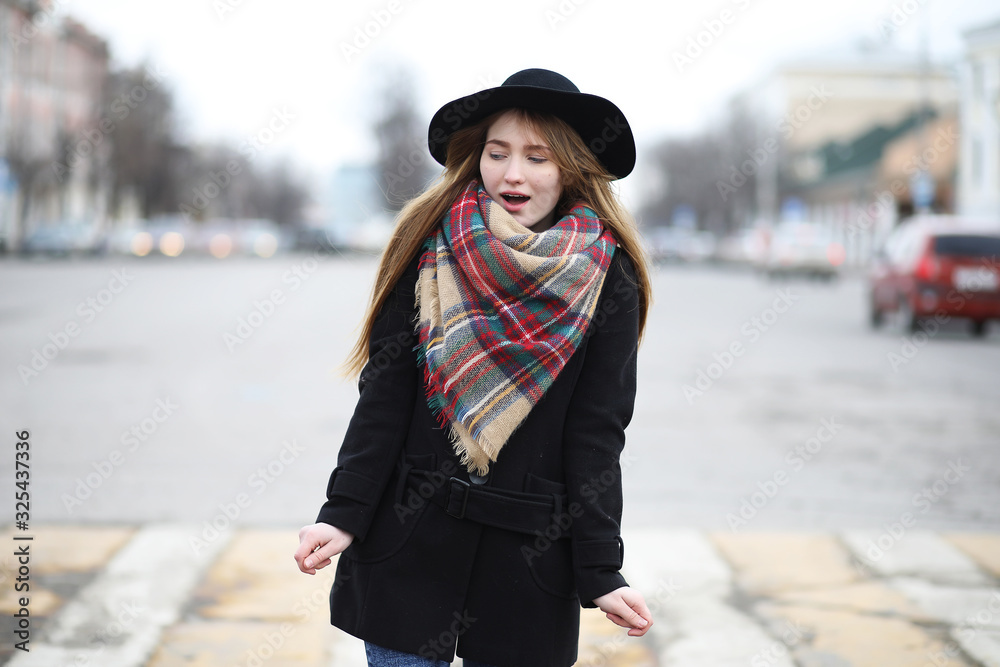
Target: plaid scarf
502,309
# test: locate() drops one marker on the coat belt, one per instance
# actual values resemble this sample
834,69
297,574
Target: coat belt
518,511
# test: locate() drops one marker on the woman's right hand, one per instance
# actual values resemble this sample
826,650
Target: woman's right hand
319,543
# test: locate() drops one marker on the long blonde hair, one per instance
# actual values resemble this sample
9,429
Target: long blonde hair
584,179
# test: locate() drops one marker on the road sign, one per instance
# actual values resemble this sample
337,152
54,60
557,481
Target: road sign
7,181
922,189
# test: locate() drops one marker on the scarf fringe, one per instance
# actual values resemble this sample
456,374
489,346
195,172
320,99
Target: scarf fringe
465,455
435,401
464,446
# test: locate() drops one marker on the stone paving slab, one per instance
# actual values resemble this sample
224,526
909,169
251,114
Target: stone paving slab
873,598
212,644
772,562
63,560
822,637
914,553
775,599
983,646
984,549
256,578
117,619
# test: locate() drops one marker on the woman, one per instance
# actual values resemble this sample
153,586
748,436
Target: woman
477,497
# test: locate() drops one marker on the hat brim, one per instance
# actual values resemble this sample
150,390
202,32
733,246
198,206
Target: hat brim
599,122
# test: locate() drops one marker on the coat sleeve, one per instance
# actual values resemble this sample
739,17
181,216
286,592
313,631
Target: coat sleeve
380,423
599,411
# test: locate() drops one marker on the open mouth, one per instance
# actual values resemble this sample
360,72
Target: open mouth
515,199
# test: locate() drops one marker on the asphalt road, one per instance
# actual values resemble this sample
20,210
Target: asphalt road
207,391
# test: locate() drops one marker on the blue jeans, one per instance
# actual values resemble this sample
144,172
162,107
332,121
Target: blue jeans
384,657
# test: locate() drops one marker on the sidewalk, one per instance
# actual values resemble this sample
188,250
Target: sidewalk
111,596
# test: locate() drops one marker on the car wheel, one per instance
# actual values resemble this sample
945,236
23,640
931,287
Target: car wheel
978,328
875,316
908,321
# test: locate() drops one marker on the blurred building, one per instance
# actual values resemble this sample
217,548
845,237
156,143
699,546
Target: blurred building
355,208
53,73
979,168
353,194
846,136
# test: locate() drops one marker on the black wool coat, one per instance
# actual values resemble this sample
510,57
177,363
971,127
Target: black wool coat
418,579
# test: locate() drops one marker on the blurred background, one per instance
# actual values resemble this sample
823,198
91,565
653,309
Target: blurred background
235,128
193,195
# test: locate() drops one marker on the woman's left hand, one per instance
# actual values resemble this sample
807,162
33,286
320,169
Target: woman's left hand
626,607
318,544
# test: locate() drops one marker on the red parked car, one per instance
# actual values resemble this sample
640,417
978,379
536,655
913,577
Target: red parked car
940,267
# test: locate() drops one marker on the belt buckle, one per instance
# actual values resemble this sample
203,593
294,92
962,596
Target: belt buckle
457,484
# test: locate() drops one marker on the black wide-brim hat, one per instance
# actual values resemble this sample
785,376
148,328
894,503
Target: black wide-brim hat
600,123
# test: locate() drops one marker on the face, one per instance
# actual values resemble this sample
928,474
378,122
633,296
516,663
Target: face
519,174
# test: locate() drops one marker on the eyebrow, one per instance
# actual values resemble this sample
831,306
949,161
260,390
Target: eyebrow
530,147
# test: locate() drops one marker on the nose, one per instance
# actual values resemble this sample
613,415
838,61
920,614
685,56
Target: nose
513,173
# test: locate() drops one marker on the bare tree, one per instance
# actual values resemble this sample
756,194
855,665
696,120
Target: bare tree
688,169
33,171
278,195
714,173
403,163
219,182
146,156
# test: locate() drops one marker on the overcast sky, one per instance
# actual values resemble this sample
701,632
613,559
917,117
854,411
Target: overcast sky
232,63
